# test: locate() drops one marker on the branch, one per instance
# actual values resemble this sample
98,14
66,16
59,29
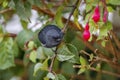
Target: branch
5,10
74,7
53,60
97,58
11,35
101,55
100,71
54,57
113,48
115,39
52,15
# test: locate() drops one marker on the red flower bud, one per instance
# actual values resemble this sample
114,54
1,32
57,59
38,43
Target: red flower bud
86,35
96,15
105,16
87,26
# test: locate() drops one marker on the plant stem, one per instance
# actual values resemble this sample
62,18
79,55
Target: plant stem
115,39
63,30
100,71
5,10
53,59
113,48
66,25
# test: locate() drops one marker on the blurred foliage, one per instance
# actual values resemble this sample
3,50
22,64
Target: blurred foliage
22,55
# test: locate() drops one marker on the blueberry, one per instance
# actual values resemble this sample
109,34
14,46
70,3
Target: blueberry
50,36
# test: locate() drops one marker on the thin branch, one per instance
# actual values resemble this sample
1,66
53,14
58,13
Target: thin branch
54,57
115,39
113,48
11,35
74,7
5,10
52,15
101,55
100,71
53,60
96,57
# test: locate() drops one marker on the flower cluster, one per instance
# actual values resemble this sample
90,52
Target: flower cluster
95,18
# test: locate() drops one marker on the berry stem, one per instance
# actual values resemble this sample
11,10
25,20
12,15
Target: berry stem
53,60
63,30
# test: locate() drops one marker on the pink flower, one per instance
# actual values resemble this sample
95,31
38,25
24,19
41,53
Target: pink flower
86,35
96,15
105,16
87,26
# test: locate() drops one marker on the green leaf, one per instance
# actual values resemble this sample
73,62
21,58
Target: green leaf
23,37
68,53
6,53
1,29
37,67
31,45
98,67
46,78
104,30
83,61
74,51
114,2
23,9
58,16
64,57
82,70
5,3
103,43
15,49
77,43
69,36
40,53
91,57
1,39
28,8
76,14
110,9
51,75
26,59
33,56
38,3
67,68
11,4
41,66
64,53
88,7
45,65
48,52
60,77
24,24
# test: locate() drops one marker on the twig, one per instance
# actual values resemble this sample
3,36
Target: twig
11,35
101,55
74,7
52,15
53,60
97,58
5,10
113,49
63,30
115,39
100,71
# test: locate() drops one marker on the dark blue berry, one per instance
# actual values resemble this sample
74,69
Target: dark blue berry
50,36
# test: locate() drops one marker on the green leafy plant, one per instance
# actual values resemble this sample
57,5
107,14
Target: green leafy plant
79,52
